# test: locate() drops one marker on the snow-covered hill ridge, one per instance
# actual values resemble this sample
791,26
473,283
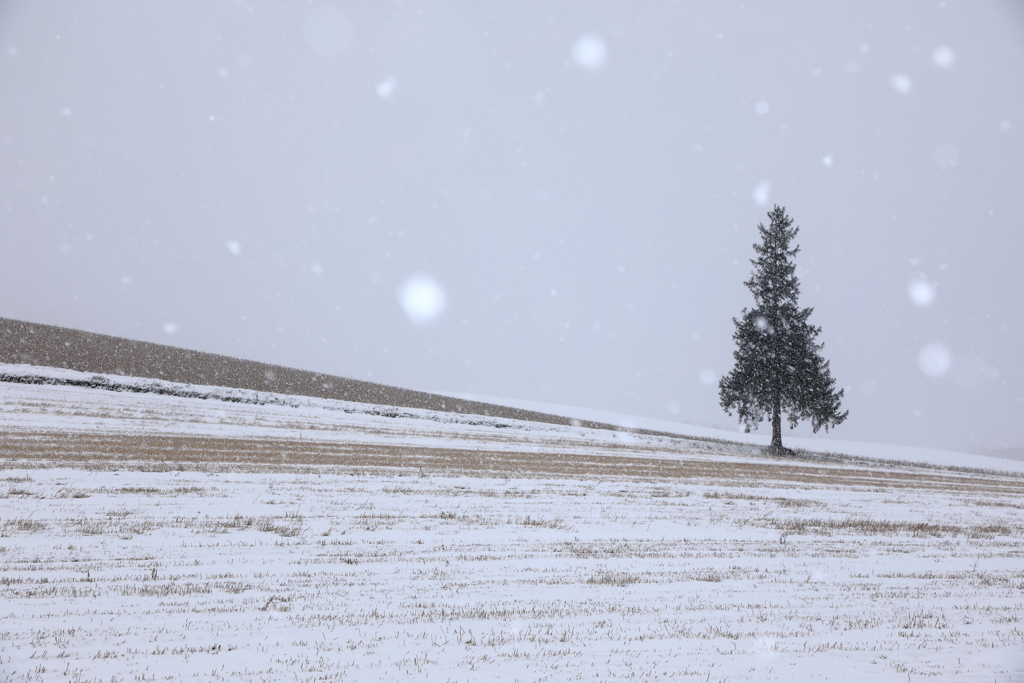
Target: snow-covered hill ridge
36,399
283,414
99,354
41,375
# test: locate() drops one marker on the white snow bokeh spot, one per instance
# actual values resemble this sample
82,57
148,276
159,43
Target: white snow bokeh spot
672,408
316,268
943,56
761,192
708,377
170,328
234,246
935,359
590,51
922,293
328,31
761,107
386,88
422,298
946,155
901,83
827,160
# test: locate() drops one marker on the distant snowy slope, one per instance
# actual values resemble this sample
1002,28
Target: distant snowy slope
85,402
35,399
24,344
820,444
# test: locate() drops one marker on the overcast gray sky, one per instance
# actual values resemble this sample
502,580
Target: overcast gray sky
573,189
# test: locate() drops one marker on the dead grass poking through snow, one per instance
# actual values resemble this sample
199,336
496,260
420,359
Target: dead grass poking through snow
884,527
338,575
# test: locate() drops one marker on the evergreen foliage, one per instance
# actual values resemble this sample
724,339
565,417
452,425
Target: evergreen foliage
779,368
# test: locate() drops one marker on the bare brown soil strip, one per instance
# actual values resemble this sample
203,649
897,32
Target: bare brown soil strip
204,453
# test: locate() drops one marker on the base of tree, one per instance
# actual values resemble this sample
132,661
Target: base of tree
777,450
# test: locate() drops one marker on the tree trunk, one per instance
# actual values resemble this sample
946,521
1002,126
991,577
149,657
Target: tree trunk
776,446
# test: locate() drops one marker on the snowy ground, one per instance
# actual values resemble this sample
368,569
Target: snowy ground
819,442
153,537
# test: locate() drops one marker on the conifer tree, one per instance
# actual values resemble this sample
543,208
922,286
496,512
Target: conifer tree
779,368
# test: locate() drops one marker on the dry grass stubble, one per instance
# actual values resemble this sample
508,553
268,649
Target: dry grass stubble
156,452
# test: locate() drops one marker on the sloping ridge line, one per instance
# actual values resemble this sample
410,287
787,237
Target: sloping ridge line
63,347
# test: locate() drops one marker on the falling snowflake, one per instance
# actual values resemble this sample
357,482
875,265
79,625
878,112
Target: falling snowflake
761,192
902,83
935,359
922,293
386,88
590,52
422,298
943,56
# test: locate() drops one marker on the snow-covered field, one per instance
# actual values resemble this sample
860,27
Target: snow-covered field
153,537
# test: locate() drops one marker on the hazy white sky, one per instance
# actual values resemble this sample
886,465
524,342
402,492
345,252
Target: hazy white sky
550,201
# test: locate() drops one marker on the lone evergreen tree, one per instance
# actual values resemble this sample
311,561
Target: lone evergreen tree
779,368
